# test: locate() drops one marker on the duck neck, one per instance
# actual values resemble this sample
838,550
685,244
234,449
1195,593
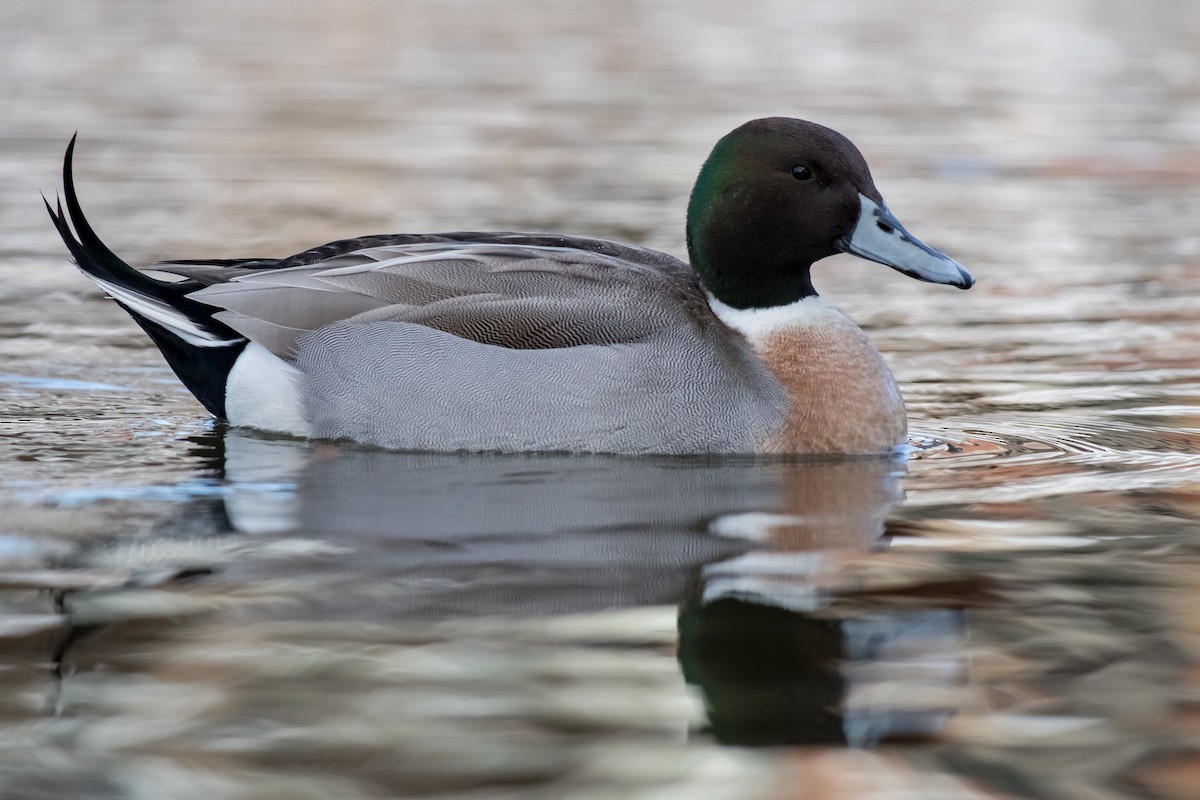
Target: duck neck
746,280
749,266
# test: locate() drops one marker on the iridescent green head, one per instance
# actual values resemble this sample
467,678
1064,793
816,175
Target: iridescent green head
778,194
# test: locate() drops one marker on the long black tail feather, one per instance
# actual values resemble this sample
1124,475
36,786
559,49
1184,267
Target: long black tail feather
201,350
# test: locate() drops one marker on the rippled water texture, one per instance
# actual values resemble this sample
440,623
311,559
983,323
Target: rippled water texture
187,612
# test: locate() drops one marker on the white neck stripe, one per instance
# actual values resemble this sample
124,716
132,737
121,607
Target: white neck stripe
758,323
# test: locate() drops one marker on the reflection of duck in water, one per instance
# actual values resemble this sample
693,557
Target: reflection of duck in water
440,536
773,661
519,342
565,533
771,675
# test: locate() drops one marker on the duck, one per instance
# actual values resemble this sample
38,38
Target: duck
476,341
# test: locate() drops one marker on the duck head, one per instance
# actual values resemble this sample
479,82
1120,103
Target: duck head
778,194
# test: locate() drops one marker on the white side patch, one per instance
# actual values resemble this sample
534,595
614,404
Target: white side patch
758,323
263,392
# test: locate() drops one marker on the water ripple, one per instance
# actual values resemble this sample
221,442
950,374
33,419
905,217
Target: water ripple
1007,457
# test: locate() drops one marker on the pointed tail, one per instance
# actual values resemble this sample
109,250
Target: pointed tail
200,349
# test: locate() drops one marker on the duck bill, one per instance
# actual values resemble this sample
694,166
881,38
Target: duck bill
878,236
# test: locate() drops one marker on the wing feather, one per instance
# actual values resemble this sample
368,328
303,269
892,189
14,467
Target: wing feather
513,295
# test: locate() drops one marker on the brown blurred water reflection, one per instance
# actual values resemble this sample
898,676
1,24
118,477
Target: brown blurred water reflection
191,613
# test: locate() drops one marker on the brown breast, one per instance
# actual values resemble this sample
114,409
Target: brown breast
843,398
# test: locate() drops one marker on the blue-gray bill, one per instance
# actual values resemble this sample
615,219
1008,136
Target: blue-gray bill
879,236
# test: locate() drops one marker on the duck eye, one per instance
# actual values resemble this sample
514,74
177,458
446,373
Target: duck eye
801,172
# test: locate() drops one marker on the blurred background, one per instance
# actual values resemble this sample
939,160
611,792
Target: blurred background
264,125
187,612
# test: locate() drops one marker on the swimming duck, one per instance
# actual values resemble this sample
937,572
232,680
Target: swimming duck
497,341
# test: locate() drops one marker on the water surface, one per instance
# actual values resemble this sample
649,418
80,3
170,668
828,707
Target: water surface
191,612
